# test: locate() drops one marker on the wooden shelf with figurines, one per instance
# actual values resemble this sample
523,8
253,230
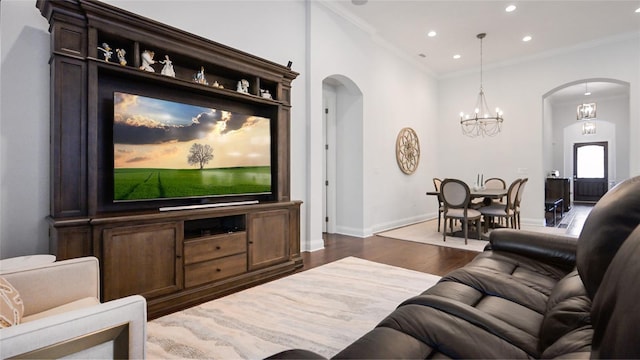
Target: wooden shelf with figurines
140,59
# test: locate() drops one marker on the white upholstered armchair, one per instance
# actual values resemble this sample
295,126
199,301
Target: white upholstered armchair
63,315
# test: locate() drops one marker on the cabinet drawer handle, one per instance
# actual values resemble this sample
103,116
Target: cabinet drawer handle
218,269
218,247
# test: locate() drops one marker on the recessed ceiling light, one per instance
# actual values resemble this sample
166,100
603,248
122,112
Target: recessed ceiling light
457,56
638,10
510,8
431,33
526,38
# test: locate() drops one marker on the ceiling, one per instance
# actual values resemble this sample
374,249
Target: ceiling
553,26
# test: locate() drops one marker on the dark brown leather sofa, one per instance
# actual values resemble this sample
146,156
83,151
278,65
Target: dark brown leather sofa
528,295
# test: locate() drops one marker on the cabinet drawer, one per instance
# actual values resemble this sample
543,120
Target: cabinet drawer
213,270
213,247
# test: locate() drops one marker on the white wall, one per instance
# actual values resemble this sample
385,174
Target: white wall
349,161
551,157
24,130
396,93
518,88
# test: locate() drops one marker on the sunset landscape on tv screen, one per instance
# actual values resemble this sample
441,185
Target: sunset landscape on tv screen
168,150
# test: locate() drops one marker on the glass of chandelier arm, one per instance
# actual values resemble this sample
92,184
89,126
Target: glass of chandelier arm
481,122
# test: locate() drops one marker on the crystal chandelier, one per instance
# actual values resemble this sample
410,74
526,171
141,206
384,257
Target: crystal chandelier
482,122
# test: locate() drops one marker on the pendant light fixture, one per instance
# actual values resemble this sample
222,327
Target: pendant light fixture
482,122
586,111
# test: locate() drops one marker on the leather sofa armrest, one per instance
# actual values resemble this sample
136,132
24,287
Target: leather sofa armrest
549,248
296,354
115,329
52,285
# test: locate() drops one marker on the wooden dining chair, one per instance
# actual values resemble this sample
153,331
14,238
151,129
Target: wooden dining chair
499,210
436,183
523,182
493,183
456,197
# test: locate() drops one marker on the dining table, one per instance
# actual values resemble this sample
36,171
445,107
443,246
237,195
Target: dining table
479,193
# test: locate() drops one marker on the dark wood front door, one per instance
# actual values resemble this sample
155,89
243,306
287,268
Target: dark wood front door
590,171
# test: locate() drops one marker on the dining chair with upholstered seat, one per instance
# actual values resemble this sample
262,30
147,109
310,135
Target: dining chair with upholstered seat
456,196
436,183
523,182
503,210
493,183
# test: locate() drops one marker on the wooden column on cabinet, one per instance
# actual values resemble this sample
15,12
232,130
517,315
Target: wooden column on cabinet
70,239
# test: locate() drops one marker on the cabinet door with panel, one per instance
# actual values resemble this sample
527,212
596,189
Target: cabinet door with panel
142,259
268,238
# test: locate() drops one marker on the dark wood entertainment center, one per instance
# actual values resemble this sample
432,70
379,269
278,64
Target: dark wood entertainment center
195,251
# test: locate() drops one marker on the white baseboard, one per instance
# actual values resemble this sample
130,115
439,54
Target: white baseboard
363,233
349,231
312,245
403,222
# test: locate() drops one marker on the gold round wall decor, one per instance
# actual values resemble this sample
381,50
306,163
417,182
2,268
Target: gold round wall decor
408,150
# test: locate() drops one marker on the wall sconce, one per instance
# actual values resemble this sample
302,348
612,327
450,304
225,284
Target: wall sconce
588,128
586,111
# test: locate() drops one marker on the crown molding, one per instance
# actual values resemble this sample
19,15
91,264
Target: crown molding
369,29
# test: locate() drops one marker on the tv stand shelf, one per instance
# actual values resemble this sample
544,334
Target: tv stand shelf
212,226
190,254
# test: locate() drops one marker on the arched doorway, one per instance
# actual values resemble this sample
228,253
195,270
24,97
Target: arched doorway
565,128
342,160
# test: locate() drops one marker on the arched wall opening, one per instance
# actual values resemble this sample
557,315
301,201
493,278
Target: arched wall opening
343,157
562,129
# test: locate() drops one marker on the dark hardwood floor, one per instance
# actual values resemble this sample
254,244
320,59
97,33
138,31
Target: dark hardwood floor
411,255
431,259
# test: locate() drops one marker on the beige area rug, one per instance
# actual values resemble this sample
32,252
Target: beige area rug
427,232
323,309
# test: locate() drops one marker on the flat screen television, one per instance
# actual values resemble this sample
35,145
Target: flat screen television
166,150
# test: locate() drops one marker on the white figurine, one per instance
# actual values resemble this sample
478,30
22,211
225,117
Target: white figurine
265,94
121,53
200,78
217,85
106,51
243,86
167,69
147,61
